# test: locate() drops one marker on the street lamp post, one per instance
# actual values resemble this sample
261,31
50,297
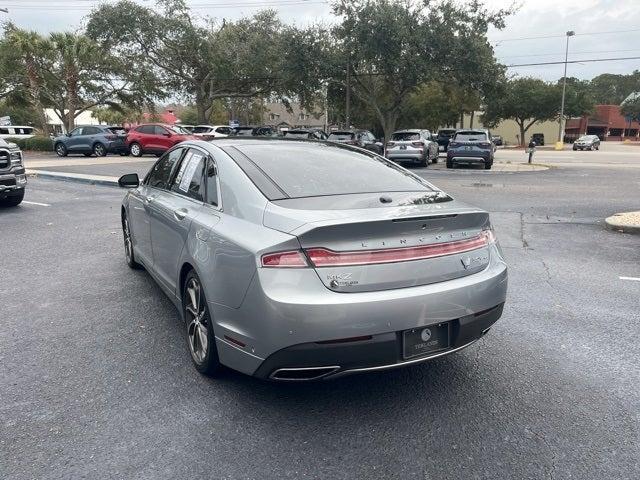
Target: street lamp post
559,144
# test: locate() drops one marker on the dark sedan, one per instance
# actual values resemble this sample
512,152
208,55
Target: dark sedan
587,142
98,140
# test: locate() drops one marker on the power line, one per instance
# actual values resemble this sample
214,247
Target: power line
573,53
574,61
198,6
538,37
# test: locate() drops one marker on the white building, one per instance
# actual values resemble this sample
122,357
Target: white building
57,125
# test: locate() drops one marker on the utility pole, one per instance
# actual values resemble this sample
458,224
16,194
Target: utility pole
347,108
559,143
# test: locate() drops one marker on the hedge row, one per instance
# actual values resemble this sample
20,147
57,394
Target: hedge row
41,144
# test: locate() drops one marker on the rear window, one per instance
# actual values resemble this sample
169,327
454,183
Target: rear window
247,132
202,129
117,130
471,137
405,136
341,136
312,170
296,134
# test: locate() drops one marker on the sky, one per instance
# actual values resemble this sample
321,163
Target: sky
604,28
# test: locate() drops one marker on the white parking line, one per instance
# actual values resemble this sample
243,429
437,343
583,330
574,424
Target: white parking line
37,203
633,279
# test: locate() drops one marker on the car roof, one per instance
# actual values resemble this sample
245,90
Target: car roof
409,130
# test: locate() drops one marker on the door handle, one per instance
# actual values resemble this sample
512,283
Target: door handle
180,213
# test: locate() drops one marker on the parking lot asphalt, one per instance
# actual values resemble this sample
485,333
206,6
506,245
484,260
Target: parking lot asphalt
96,380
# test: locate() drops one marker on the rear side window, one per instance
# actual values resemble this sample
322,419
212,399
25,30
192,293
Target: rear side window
471,137
310,170
224,130
148,129
161,172
405,136
189,180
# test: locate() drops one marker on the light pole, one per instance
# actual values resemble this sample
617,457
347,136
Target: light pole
559,144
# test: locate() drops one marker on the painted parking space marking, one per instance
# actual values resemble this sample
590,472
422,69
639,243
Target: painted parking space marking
37,203
632,279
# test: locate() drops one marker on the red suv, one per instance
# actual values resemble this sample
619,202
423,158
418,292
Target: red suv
155,138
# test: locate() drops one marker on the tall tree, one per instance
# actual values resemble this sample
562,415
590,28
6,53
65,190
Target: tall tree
200,59
526,101
631,109
24,61
612,89
394,47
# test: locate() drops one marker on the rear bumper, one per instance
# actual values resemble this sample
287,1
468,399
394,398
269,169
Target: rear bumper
468,157
284,315
117,147
313,361
406,156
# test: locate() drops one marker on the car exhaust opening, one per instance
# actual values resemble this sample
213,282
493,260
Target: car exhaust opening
303,374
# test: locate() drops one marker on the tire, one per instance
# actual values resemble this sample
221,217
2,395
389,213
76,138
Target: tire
575,149
129,255
12,201
487,165
199,327
60,149
423,163
99,150
597,147
449,164
135,149
435,159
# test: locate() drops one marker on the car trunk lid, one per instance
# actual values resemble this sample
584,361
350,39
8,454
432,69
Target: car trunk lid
397,246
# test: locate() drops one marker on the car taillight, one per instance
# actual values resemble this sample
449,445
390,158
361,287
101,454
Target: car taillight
323,257
485,144
417,144
111,137
390,144
288,259
452,143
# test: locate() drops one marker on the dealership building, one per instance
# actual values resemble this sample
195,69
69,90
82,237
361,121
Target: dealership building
606,122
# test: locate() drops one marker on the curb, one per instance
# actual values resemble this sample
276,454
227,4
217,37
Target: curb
75,177
621,222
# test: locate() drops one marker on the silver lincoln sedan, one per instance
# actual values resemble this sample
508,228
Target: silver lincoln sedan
299,260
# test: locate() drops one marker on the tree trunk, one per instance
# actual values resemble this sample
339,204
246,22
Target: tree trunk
201,107
461,118
471,118
34,92
71,80
522,132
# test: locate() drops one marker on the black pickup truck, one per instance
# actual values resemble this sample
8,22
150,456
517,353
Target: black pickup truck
12,176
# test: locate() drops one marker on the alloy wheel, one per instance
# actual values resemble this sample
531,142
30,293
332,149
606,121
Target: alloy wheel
99,150
197,322
135,150
127,239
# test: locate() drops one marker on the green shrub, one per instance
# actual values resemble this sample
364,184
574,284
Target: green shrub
39,143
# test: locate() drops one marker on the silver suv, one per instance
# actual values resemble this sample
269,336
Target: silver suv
415,146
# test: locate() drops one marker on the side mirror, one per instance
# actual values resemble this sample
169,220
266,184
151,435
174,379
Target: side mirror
166,134
129,180
68,134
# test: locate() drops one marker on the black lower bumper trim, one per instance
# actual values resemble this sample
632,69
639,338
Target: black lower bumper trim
377,353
